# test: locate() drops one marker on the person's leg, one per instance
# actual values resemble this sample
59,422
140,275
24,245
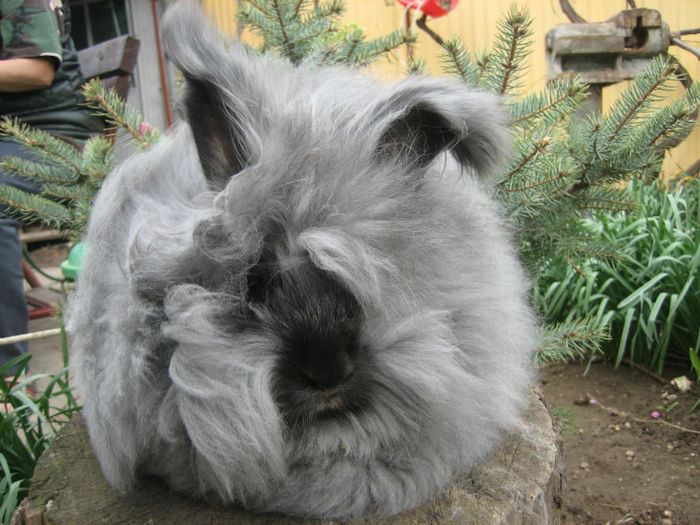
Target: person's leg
13,307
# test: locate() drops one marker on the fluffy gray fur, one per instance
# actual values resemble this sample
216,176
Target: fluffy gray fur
302,211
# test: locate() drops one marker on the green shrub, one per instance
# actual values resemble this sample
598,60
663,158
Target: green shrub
649,294
28,424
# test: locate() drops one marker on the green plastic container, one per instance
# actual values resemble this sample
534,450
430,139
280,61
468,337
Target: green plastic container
71,266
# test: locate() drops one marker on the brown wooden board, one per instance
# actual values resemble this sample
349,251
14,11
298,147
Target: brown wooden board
115,57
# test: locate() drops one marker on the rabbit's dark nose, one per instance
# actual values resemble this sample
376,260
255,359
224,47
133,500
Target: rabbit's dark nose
330,377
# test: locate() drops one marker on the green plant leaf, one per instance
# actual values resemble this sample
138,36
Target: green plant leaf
638,294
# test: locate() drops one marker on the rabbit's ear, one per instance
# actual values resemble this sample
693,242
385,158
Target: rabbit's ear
218,142
424,117
220,98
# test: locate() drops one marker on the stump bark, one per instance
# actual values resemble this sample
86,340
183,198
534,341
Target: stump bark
521,483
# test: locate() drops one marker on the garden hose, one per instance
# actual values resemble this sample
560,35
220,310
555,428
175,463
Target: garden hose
25,253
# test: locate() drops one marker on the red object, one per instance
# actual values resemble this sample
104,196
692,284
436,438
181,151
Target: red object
40,307
434,8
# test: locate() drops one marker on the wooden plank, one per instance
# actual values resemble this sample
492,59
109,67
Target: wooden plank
115,57
120,85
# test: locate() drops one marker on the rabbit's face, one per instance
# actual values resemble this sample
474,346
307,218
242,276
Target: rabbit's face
316,322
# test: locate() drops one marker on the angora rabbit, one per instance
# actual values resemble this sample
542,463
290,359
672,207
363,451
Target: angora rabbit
302,300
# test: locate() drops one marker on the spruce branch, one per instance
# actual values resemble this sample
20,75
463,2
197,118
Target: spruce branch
644,90
673,123
41,143
510,50
483,60
383,45
332,10
456,60
254,20
297,7
349,53
560,98
600,254
98,159
575,266
415,66
67,192
279,15
537,147
312,34
562,175
68,178
42,171
299,33
604,198
667,131
577,339
257,5
118,114
30,208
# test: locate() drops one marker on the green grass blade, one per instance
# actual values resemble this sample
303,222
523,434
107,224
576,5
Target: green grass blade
638,294
629,317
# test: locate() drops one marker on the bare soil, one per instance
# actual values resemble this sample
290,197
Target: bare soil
623,465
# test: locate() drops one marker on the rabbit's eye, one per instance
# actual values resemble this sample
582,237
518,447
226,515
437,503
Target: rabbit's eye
261,279
256,284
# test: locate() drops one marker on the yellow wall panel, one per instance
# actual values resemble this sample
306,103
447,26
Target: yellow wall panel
475,21
224,13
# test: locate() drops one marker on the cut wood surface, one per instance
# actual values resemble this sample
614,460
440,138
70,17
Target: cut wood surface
521,483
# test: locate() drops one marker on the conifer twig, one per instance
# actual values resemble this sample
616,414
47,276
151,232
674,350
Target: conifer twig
663,131
559,176
665,74
116,117
510,65
22,133
283,29
575,267
537,148
258,6
573,91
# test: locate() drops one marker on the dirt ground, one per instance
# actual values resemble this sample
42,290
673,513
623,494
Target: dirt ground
622,465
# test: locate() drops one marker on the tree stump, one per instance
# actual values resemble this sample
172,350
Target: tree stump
522,482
